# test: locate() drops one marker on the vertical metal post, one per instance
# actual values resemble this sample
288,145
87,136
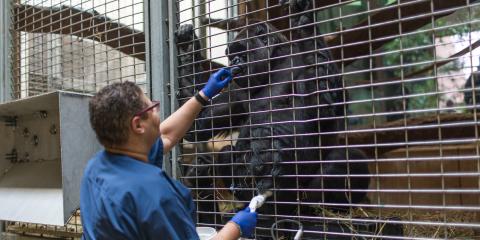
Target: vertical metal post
160,63
5,78
172,26
2,229
3,27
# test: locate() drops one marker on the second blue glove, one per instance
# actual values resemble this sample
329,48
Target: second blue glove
246,220
217,82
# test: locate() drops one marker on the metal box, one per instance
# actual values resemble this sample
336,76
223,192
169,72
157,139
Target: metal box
45,144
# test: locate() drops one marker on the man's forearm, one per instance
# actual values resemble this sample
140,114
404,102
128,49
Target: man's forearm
177,124
229,231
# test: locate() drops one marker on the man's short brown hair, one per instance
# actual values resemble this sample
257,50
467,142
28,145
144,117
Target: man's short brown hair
112,109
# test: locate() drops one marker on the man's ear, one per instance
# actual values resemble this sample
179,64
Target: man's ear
137,125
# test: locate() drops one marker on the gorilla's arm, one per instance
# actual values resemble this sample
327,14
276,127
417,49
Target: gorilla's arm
224,24
193,68
328,85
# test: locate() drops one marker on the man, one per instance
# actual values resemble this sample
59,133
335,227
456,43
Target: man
124,192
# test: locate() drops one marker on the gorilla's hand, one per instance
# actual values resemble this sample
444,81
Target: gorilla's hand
302,6
297,5
185,33
187,43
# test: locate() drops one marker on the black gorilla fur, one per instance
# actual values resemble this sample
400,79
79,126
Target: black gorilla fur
279,102
286,95
337,163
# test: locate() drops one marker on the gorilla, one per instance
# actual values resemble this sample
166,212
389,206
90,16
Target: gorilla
312,61
282,114
287,103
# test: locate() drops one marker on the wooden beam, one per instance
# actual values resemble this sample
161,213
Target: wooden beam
83,24
396,131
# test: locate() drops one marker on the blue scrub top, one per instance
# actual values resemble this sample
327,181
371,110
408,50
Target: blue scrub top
125,198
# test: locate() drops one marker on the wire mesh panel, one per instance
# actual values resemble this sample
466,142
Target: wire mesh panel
360,117
75,45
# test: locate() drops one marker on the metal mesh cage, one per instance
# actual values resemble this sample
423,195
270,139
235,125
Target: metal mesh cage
74,45
359,116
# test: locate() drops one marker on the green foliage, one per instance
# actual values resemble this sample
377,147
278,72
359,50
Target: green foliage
404,56
419,49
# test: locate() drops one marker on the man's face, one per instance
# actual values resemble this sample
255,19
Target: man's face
152,120
154,115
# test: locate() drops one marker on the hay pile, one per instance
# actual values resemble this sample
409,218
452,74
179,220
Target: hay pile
417,223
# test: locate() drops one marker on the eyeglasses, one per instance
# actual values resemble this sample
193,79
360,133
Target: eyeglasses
154,105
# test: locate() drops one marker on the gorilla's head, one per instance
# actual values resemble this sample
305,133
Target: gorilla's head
251,50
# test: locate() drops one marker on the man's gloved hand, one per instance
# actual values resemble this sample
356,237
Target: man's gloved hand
246,220
217,82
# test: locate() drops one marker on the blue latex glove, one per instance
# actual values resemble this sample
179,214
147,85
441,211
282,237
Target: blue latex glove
217,82
247,221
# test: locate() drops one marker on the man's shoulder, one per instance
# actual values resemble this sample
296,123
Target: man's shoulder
124,177
92,165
